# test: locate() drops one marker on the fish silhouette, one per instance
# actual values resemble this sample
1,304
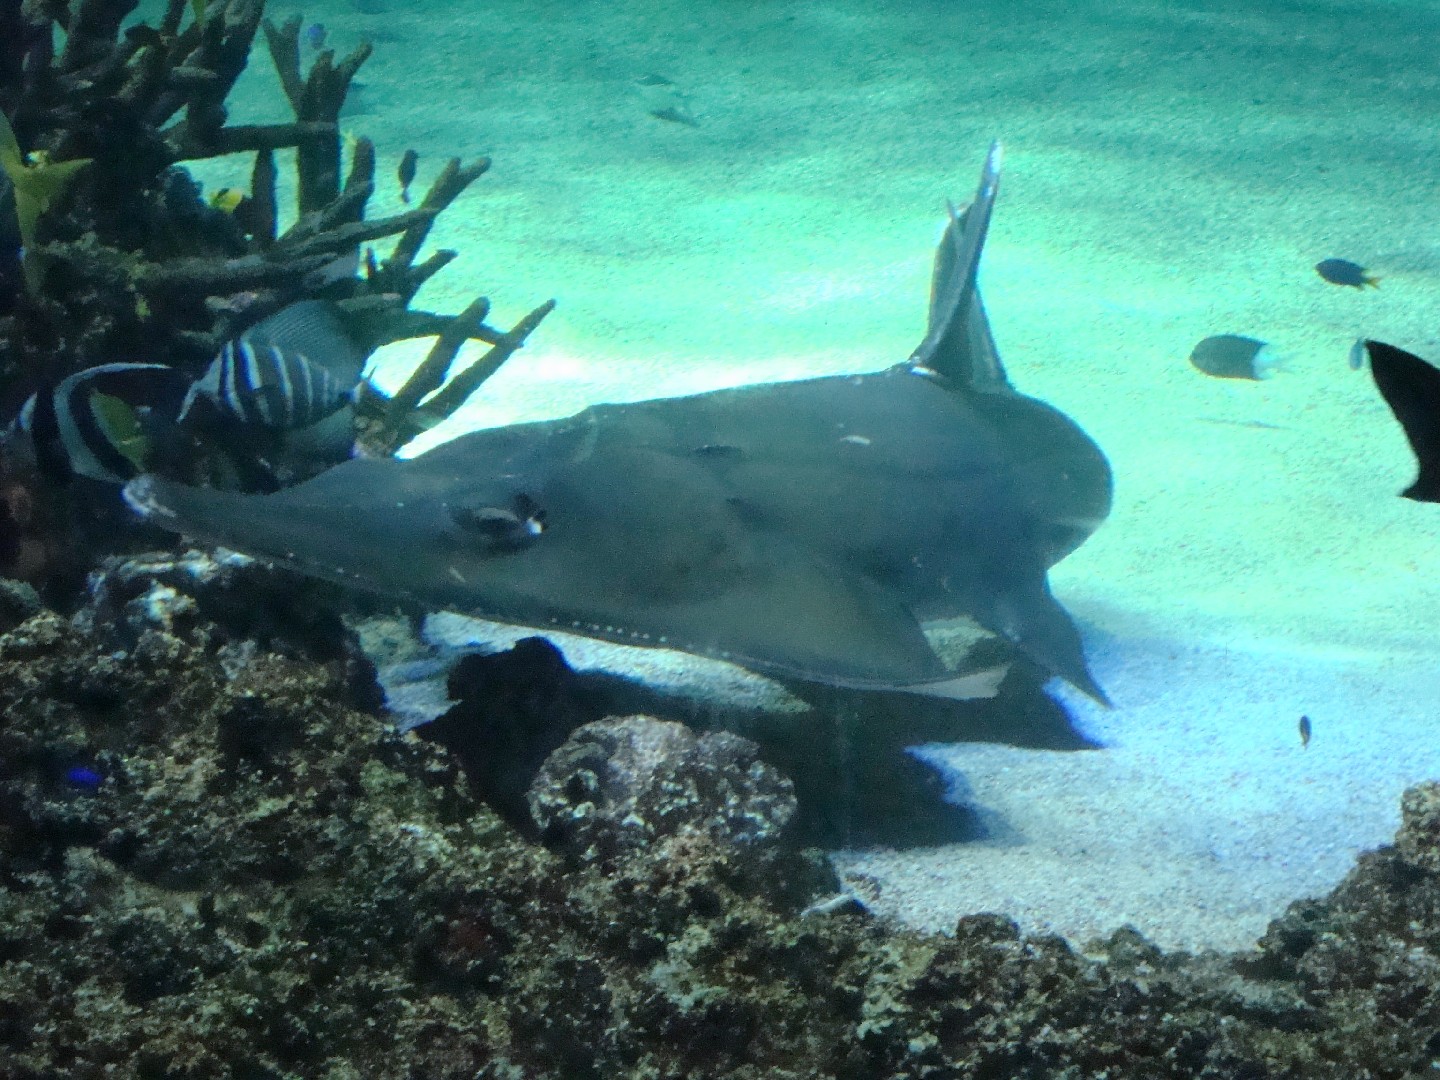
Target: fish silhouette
1345,272
802,529
1234,356
1411,388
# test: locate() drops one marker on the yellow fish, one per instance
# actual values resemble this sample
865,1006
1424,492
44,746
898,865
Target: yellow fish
226,199
118,422
37,182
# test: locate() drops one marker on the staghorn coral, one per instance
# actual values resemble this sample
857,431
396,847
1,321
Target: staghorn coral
108,251
124,259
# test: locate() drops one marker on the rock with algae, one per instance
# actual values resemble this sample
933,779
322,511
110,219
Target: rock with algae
211,866
627,784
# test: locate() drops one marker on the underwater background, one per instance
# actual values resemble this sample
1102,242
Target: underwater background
1172,172
222,855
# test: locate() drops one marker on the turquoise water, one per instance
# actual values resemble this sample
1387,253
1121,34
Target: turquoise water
1172,172
233,846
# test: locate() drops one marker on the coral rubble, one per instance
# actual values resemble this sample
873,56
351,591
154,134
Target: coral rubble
626,784
210,865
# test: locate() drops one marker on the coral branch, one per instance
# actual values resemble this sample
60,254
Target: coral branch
224,276
262,213
426,378
455,393
316,97
185,144
386,425
453,179
348,235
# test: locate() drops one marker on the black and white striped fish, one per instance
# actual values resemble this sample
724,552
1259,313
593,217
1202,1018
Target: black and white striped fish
103,423
288,371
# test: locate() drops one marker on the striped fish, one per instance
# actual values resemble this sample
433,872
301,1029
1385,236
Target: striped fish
102,422
288,371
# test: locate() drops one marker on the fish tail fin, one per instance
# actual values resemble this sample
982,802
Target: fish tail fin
1426,487
1411,388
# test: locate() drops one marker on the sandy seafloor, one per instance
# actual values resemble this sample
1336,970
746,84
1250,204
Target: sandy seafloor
1173,170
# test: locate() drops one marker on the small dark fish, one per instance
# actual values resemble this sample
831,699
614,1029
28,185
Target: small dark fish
100,423
288,371
1411,388
675,115
315,36
406,173
1304,732
1345,272
1357,354
1231,356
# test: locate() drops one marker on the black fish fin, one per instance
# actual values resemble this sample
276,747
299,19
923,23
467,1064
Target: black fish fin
987,373
958,343
1033,620
1411,387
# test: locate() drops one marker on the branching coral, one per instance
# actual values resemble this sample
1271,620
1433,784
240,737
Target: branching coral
125,259
108,251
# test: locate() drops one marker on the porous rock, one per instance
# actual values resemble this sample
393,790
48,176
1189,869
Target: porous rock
1418,842
618,785
218,869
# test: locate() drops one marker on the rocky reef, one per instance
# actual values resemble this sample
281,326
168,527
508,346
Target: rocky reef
216,859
